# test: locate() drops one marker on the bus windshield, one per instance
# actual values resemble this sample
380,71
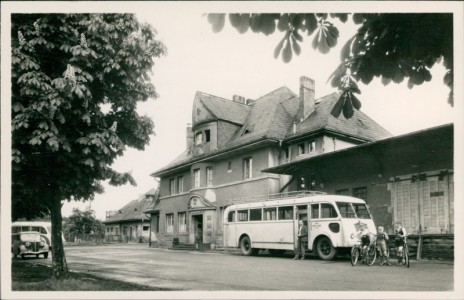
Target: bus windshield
353,210
361,210
346,210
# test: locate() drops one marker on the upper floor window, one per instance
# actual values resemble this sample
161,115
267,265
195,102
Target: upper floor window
172,186
180,184
343,192
312,146
247,168
360,192
207,136
198,138
301,149
209,176
229,166
196,178
287,152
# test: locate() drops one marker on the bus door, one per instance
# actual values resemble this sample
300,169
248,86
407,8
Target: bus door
314,225
302,214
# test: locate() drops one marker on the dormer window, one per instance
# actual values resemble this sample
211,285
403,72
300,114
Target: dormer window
207,136
198,138
312,146
301,149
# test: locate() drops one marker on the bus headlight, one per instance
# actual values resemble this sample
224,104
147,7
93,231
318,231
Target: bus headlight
41,244
352,236
28,244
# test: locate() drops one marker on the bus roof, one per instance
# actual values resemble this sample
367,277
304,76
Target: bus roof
30,223
301,200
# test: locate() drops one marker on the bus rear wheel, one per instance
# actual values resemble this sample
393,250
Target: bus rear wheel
245,246
325,249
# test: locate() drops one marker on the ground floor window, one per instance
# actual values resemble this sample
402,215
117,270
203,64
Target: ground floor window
169,222
182,217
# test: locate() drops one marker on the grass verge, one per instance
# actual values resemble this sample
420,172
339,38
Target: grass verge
28,276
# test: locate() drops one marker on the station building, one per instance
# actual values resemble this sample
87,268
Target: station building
246,149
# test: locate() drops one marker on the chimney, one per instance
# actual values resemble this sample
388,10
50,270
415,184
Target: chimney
238,99
189,134
307,97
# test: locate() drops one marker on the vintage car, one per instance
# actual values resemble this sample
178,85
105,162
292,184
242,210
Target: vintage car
29,243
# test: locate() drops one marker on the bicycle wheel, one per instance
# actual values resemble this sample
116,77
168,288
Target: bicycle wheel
354,255
406,256
371,254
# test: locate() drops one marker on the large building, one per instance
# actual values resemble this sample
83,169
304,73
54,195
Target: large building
229,145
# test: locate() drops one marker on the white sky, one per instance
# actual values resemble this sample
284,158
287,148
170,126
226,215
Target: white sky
227,63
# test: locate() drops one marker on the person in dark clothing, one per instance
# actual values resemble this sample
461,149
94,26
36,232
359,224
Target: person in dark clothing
302,240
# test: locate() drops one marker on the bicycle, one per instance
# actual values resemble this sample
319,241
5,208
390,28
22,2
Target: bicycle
405,254
368,256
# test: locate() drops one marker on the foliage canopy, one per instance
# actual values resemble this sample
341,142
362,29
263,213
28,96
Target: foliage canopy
393,46
65,67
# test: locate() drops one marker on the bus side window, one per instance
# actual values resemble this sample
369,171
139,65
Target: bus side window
242,215
42,230
231,216
24,228
314,211
286,213
328,211
256,214
270,213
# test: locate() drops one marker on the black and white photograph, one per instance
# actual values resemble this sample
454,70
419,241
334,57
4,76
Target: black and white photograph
232,149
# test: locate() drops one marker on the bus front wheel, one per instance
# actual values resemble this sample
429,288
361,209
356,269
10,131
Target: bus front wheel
245,246
325,249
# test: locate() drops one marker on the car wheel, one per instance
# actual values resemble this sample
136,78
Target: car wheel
325,249
22,256
46,255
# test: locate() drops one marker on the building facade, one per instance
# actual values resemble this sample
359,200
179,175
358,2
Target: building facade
130,223
231,142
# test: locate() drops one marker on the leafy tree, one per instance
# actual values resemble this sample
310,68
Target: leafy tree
82,222
393,46
65,69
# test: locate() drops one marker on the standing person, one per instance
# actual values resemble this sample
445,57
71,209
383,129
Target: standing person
399,241
302,240
382,238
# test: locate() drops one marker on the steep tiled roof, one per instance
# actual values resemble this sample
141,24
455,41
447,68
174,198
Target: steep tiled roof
224,109
134,210
359,126
270,116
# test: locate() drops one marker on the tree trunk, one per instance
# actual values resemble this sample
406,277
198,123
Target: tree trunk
60,267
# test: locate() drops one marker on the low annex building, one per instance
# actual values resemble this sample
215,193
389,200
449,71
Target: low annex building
130,223
231,142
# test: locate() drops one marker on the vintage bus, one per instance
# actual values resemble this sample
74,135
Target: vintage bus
333,223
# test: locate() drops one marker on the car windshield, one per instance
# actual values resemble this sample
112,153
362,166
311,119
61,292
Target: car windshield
346,210
361,210
30,237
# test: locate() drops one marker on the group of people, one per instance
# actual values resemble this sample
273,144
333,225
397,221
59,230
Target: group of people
366,236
